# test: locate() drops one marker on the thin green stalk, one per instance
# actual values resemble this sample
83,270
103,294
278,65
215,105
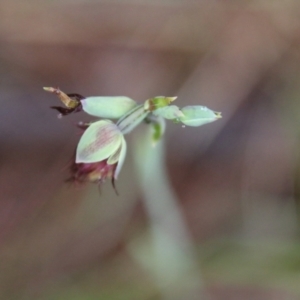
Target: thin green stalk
174,264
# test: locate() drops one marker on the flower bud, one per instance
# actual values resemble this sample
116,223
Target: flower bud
198,115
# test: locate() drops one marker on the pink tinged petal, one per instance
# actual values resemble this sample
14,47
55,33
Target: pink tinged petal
198,115
108,107
121,158
99,141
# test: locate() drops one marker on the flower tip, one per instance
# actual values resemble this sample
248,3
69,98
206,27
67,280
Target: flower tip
171,99
218,115
71,101
49,89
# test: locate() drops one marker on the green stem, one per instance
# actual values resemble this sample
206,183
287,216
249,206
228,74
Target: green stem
175,264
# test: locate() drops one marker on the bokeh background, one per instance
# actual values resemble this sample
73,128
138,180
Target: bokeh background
234,184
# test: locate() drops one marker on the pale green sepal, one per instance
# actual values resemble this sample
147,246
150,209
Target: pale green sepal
169,112
99,141
198,115
132,119
121,158
108,107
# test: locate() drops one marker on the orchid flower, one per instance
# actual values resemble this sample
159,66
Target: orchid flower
101,150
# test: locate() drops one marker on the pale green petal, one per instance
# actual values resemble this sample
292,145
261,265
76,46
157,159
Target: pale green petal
121,158
198,115
115,156
99,141
169,112
108,107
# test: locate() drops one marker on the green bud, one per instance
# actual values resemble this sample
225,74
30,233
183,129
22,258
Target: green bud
198,115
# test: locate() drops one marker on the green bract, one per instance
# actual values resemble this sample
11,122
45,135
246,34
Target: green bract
108,107
101,140
198,115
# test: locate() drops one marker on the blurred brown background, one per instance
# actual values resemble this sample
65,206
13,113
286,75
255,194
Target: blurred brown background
237,180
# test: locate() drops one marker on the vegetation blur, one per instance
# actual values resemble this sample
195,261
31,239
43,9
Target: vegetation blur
212,212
